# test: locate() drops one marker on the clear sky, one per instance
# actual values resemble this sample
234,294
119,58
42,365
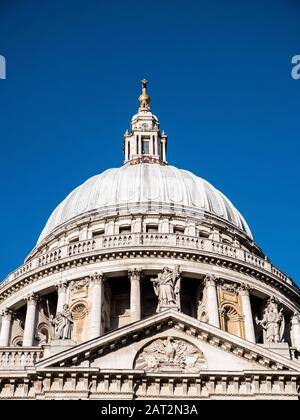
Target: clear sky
220,80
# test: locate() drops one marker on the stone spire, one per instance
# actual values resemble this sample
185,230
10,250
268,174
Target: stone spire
145,143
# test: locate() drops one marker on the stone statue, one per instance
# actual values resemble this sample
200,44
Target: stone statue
63,323
272,322
167,289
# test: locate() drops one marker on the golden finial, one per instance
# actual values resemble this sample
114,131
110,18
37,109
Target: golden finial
144,98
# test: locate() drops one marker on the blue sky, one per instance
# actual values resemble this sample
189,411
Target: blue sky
220,81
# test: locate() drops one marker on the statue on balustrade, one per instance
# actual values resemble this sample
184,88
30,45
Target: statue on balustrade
272,322
63,324
167,287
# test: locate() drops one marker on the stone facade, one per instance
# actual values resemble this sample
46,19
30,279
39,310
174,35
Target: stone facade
149,299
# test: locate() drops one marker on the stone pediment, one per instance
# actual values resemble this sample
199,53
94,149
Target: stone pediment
169,342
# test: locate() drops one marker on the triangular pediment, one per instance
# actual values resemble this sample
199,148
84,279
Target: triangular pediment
126,348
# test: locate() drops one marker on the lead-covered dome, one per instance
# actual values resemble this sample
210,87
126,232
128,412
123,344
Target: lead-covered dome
138,186
145,183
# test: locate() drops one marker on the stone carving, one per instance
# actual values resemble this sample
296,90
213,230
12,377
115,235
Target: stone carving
43,333
135,274
63,323
62,287
170,355
229,287
79,284
272,322
167,288
96,278
79,311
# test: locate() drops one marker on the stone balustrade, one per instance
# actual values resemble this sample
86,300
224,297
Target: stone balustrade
18,357
140,240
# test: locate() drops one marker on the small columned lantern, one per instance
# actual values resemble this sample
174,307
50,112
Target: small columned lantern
145,143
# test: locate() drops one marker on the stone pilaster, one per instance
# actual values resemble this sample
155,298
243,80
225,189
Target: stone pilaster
6,315
95,317
247,312
30,321
61,296
212,301
135,276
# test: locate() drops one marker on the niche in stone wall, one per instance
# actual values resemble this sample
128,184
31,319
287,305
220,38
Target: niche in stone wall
230,309
79,314
232,321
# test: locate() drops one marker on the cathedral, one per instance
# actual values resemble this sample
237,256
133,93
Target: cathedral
147,284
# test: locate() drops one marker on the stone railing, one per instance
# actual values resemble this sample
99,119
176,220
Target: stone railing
140,240
81,247
18,357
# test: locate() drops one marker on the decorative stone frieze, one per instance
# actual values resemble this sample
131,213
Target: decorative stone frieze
80,284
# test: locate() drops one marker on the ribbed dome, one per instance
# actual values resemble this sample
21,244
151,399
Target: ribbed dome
132,185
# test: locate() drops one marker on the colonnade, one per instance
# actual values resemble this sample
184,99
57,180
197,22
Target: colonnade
95,328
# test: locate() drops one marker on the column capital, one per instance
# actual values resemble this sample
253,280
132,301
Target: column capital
210,280
244,289
6,313
32,299
135,274
295,318
62,287
97,278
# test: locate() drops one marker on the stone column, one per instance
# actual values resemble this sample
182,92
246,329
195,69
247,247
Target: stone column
95,317
295,332
151,145
155,145
30,321
247,312
126,150
164,152
135,294
212,301
6,315
61,296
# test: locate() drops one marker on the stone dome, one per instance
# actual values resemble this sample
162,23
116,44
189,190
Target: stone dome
136,186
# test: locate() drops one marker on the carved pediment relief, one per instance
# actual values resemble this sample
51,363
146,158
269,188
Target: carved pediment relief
170,355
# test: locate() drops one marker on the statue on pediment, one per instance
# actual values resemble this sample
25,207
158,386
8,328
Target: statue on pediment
167,287
63,323
272,322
